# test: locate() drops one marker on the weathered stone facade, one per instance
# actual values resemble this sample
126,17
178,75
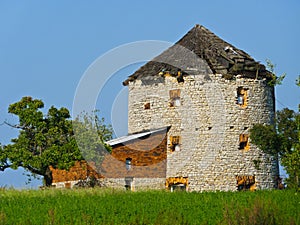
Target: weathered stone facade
209,122
210,94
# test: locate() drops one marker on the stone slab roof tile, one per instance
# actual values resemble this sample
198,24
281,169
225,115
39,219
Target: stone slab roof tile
201,45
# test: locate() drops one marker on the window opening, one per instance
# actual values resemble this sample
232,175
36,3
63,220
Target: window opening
244,142
147,105
128,163
178,187
175,143
242,94
245,183
177,183
180,76
174,97
128,183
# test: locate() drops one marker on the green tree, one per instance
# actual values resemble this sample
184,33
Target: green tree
283,137
91,134
43,141
275,80
50,140
282,140
3,159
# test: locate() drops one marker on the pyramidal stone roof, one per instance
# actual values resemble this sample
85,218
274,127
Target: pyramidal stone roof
201,45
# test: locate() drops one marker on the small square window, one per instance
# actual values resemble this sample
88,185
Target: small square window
147,105
128,163
242,94
175,143
174,97
244,142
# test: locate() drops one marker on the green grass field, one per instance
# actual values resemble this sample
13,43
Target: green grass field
98,206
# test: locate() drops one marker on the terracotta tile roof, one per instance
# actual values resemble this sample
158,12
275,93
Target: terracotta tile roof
201,45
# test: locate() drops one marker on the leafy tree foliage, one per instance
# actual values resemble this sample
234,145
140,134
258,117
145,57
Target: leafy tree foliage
282,139
275,79
266,138
91,133
3,159
49,140
43,141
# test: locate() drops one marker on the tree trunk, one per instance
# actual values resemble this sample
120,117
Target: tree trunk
48,177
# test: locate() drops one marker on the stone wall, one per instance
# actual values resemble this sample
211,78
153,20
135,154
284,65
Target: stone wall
137,184
209,122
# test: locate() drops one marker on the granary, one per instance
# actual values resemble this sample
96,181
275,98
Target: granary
190,112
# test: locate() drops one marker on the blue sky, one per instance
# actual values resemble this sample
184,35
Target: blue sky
45,47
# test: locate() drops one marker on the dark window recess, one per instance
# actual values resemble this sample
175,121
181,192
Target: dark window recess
177,187
128,183
180,76
245,183
147,105
244,142
174,98
128,163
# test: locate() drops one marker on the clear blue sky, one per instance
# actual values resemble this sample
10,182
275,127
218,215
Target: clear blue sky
45,47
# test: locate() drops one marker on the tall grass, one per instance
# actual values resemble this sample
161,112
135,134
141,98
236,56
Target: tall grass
98,206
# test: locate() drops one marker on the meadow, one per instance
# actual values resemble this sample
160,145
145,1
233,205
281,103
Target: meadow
107,206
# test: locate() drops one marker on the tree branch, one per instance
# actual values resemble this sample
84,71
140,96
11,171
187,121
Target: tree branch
34,170
14,126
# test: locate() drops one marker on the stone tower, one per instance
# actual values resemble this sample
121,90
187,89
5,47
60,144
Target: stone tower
210,94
